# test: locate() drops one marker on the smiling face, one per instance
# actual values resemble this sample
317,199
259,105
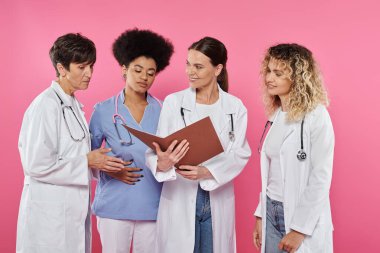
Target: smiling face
77,77
200,71
277,79
140,74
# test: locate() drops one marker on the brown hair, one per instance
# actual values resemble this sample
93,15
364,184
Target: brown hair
217,52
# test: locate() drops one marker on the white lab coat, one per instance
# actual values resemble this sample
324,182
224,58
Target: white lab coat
306,183
54,214
176,215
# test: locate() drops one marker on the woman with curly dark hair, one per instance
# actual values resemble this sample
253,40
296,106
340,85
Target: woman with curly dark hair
294,213
126,202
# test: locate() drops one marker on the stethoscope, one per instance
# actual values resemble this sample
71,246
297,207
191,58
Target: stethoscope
231,134
301,155
117,115
65,107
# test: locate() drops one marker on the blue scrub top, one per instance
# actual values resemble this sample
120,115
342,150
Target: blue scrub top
113,198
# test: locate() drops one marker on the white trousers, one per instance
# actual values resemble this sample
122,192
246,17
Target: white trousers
117,236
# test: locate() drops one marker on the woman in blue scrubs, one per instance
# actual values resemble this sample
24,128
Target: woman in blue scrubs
126,202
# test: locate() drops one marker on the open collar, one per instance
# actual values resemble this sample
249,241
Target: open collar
66,99
149,98
189,101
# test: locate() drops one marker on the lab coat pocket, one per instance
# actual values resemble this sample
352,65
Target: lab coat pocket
45,224
229,222
320,241
67,147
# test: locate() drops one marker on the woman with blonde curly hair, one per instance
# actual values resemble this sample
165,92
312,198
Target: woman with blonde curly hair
294,213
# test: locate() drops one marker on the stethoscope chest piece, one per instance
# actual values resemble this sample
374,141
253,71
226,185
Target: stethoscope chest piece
301,155
231,134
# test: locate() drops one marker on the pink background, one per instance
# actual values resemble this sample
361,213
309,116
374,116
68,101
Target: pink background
344,35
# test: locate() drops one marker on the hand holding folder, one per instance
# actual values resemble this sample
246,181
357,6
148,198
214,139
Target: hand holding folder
203,141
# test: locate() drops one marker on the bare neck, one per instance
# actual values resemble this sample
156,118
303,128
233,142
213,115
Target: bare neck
66,87
284,102
132,97
208,95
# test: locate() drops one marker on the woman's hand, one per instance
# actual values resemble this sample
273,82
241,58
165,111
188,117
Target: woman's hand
127,175
97,159
167,159
257,232
194,172
291,241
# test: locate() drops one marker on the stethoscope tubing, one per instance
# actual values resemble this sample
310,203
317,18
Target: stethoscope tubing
63,106
231,134
301,154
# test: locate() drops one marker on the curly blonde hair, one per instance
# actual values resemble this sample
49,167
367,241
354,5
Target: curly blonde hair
307,90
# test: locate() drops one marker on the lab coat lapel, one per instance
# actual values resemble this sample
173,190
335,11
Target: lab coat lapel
68,102
188,104
264,158
289,133
223,120
82,114
272,119
83,120
220,120
63,96
292,127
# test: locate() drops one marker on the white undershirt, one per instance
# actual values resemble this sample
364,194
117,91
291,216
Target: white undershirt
275,187
204,110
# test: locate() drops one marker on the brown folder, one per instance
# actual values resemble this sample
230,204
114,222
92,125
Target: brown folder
203,141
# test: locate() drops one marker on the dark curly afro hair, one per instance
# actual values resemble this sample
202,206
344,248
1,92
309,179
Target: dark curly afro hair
135,43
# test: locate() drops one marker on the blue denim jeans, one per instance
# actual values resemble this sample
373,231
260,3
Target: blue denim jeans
203,223
275,226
